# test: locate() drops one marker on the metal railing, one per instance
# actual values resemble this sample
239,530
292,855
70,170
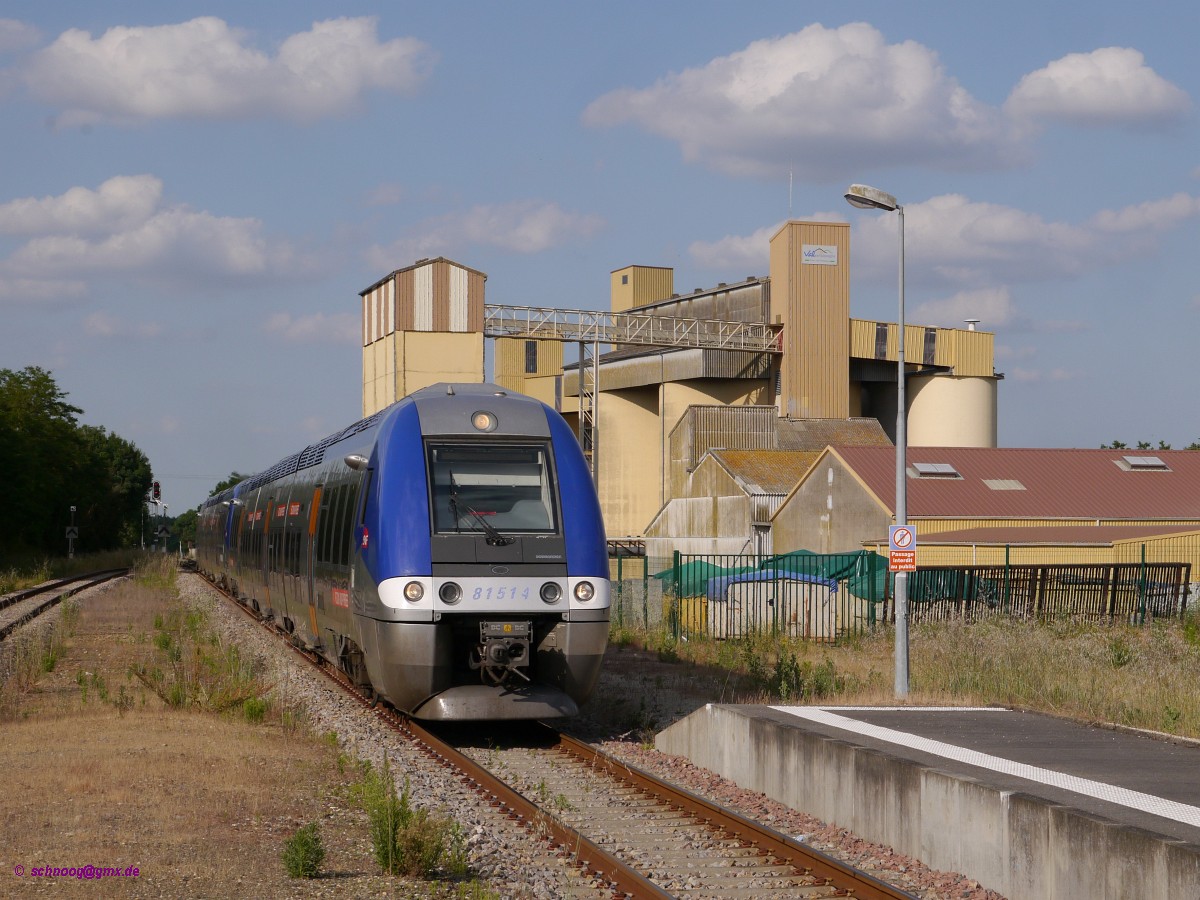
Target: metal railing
823,597
586,326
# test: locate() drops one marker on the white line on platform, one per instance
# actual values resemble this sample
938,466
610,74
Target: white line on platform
1148,803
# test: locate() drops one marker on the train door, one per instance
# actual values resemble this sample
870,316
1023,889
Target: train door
277,572
252,549
237,547
312,593
264,552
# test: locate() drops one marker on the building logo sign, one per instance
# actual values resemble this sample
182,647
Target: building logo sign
819,254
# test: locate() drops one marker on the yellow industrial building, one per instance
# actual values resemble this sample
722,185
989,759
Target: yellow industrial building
709,450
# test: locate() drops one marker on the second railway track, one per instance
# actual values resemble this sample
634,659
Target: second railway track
22,607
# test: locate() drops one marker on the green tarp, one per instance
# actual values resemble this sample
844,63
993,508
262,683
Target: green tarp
865,573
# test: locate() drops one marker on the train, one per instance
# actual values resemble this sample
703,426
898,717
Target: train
447,554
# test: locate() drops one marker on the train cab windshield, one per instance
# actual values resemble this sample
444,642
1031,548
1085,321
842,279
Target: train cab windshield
493,489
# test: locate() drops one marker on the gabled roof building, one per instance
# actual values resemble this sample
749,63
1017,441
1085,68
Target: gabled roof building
967,500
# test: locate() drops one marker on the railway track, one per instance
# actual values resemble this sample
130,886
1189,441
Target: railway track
631,834
23,607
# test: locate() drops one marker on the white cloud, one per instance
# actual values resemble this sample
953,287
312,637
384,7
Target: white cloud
15,35
1152,216
822,102
1109,86
747,253
103,325
123,230
1041,375
388,194
42,291
993,307
954,241
340,328
118,204
524,226
206,69
176,242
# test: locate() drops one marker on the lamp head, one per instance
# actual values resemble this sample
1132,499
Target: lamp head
866,197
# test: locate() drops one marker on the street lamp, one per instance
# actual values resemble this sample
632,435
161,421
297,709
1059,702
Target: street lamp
865,197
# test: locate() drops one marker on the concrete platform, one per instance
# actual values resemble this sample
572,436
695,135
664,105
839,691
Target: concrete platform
1034,807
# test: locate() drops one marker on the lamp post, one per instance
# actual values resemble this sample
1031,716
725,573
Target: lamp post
865,197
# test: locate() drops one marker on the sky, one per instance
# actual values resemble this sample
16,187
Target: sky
192,197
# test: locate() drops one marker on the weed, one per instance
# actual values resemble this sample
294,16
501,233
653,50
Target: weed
408,841
254,709
49,659
303,852
123,701
1120,653
192,668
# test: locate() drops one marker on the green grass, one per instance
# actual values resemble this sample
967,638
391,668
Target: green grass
1142,677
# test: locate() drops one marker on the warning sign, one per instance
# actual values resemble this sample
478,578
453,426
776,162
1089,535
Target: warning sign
902,548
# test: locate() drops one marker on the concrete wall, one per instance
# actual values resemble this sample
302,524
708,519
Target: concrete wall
630,484
402,362
829,513
1022,846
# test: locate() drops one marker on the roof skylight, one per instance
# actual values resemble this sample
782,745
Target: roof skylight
935,470
1146,463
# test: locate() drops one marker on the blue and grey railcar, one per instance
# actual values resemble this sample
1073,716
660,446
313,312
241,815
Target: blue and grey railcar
447,553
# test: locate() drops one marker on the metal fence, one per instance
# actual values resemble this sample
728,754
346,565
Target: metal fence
1114,592
823,597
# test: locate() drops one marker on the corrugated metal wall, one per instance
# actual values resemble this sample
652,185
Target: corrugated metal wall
511,357
638,285
813,303
434,295
730,427
966,353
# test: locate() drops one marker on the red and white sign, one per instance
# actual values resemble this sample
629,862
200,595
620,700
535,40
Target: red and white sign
902,548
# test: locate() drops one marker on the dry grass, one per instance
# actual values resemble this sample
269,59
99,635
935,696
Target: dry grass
100,771
1140,677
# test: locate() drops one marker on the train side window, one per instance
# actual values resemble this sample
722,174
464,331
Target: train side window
341,539
321,549
337,530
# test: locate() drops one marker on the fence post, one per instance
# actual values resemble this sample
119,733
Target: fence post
1007,595
1142,589
620,593
676,600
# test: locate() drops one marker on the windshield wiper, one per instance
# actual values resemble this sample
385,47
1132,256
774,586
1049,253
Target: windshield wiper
494,537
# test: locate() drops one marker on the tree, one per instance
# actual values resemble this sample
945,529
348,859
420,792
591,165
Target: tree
183,527
235,477
122,477
1145,445
51,464
37,454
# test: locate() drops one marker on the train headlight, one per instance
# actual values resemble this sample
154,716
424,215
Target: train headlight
551,592
450,593
584,591
483,421
414,591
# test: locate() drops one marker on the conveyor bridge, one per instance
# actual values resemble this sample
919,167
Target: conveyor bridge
591,328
